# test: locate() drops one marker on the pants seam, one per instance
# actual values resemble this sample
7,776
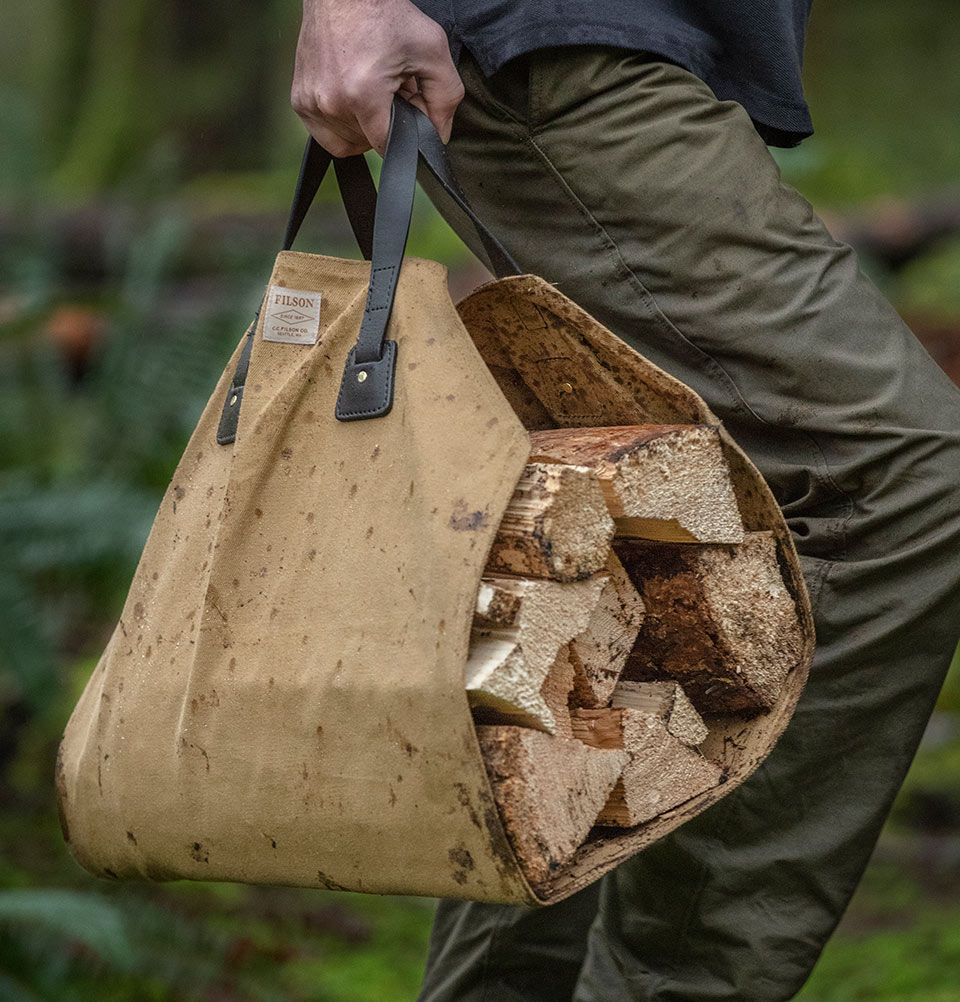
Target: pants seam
528,132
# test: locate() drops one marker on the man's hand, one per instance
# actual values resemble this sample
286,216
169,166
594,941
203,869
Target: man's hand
354,55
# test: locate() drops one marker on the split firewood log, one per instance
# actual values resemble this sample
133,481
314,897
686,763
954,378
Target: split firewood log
661,771
518,630
719,621
600,652
667,701
555,526
665,482
548,790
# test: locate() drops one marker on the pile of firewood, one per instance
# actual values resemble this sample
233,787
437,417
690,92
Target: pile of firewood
623,606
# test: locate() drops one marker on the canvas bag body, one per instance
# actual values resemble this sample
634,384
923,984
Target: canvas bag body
282,701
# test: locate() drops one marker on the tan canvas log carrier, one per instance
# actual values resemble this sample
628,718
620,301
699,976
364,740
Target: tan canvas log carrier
283,700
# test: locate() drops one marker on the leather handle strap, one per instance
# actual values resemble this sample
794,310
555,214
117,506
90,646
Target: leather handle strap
356,187
366,388
434,155
398,182
360,195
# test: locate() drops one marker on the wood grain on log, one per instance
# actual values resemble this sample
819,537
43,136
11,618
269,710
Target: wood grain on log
719,621
556,691
661,771
600,652
548,790
518,630
665,482
555,526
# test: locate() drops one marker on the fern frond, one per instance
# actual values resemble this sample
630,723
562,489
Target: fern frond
78,916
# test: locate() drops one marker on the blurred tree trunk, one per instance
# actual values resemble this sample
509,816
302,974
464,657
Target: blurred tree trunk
91,87
114,98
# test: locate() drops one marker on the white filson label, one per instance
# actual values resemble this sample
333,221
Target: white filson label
292,316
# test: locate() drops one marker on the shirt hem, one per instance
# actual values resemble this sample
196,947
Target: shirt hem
779,122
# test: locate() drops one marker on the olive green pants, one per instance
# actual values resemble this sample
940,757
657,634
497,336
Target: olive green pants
658,209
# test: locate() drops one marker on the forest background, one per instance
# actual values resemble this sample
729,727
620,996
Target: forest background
147,154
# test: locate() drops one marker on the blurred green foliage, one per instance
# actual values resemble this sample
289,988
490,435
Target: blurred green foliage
209,942
157,120
882,82
896,946
931,285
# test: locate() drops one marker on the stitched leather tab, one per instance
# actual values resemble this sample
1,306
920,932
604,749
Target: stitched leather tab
230,415
381,288
366,390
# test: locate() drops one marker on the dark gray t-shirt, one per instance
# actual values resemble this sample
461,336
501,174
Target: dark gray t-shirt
746,52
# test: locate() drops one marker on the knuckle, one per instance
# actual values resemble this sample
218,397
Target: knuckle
312,104
436,37
299,102
354,92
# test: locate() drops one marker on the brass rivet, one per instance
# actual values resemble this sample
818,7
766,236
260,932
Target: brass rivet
567,388
361,377
233,399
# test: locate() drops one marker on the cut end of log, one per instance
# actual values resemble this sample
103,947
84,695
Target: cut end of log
549,791
600,652
662,771
667,701
665,482
511,699
719,621
519,629
555,526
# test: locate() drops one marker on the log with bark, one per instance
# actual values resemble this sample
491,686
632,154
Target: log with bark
719,621
549,791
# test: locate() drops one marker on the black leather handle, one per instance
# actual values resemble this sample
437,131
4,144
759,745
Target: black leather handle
434,155
360,195
366,388
356,187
